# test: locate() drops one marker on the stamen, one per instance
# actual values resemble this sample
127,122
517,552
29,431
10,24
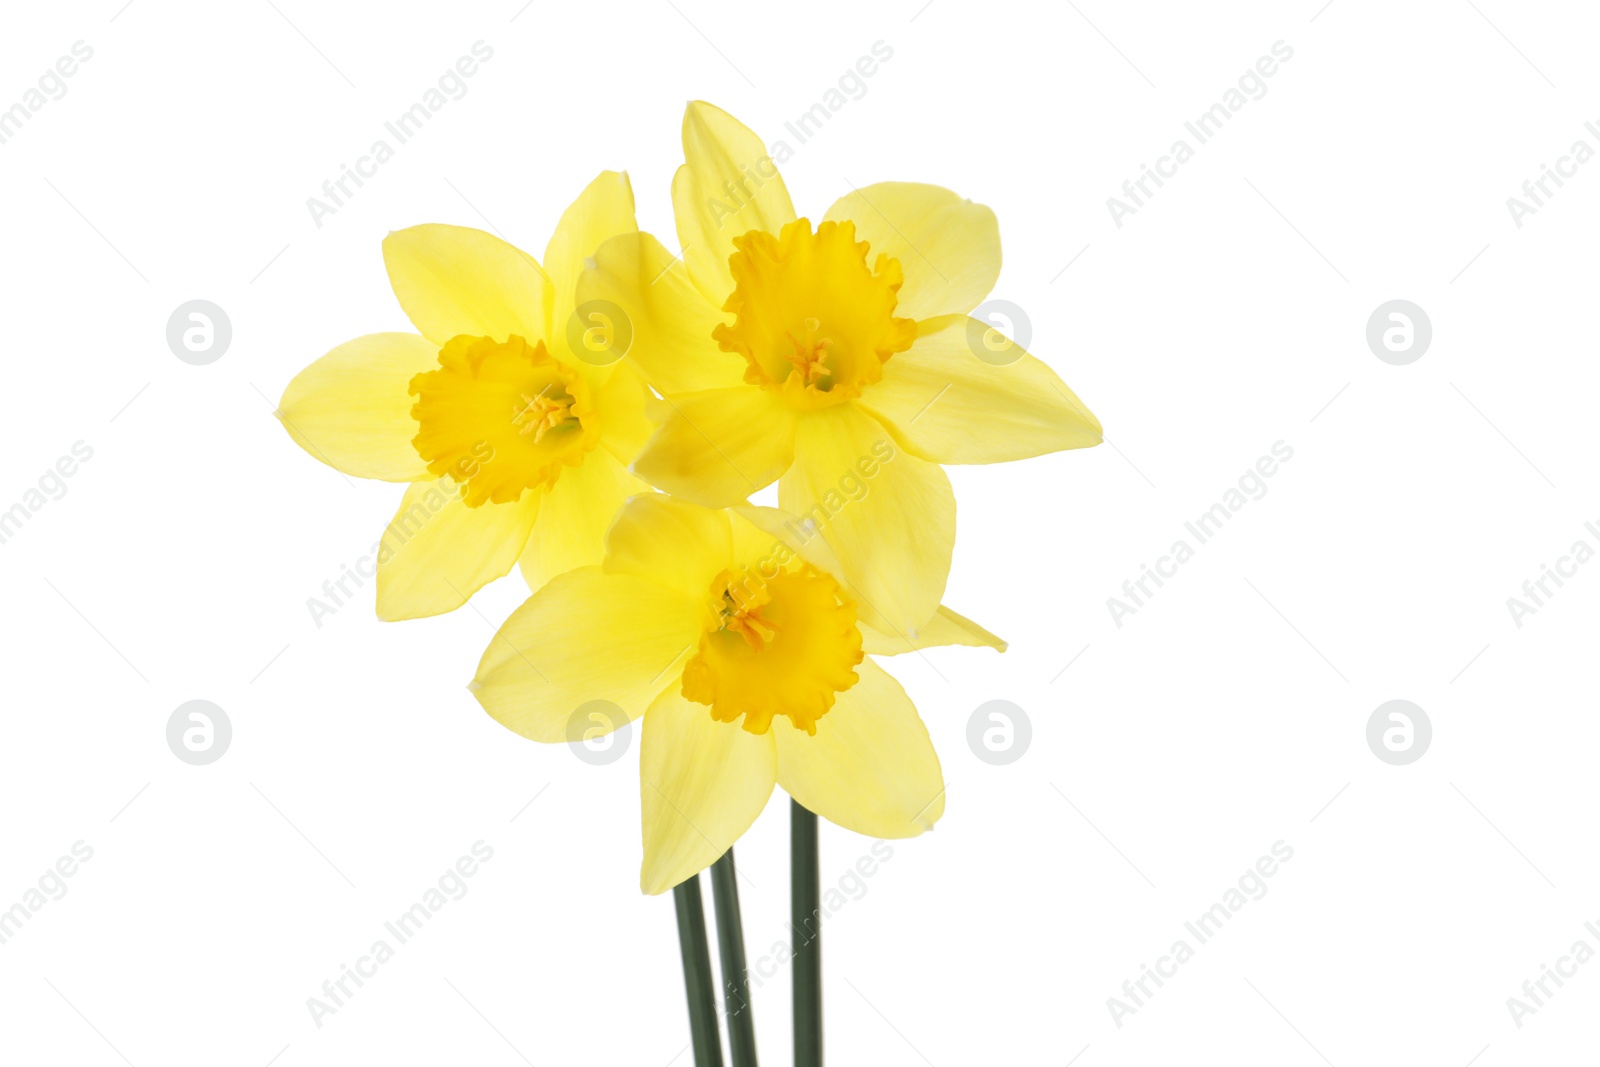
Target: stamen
740,612
810,360
540,414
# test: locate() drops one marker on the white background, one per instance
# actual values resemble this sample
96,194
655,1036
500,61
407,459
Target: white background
1227,714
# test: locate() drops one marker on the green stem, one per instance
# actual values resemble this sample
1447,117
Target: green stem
805,922
735,976
697,980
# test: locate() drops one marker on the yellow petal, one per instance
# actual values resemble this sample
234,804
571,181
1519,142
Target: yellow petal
671,320
949,248
670,542
889,516
701,784
437,551
766,537
717,447
945,404
870,767
604,209
945,628
727,186
571,528
761,533
452,280
624,405
586,636
351,410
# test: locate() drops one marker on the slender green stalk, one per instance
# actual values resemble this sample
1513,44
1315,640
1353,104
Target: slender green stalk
735,975
697,979
805,923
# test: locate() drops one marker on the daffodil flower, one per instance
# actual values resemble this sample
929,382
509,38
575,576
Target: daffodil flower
515,440
746,659
788,350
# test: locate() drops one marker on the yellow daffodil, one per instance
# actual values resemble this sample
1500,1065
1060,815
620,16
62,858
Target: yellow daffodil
788,351
746,659
514,436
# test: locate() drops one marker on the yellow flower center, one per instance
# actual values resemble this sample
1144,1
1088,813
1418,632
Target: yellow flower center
785,645
501,417
814,322
540,414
